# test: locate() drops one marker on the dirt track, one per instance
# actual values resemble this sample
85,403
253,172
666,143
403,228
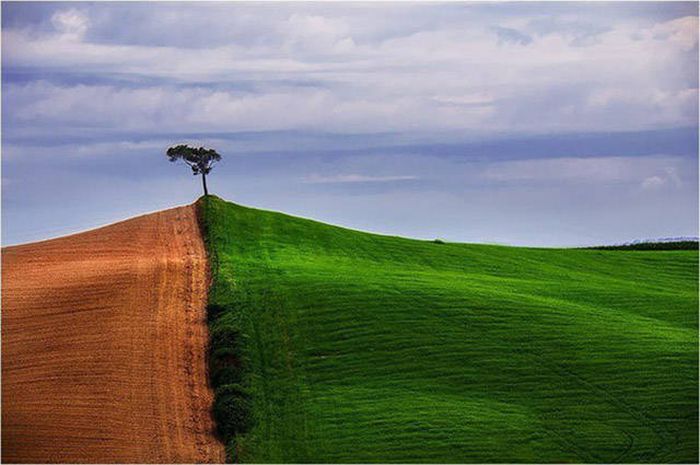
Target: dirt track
104,346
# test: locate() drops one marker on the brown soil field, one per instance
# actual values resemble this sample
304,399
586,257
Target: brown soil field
104,342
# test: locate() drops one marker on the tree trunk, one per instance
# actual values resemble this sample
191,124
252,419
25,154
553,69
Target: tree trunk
204,184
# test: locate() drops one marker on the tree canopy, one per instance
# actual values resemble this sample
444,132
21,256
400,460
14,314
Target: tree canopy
200,159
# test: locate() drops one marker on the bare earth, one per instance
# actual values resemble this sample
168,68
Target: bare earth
104,342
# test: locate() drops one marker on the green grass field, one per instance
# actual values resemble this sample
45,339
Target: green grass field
332,345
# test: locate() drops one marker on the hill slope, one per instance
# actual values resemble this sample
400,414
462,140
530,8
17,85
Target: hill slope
103,346
331,345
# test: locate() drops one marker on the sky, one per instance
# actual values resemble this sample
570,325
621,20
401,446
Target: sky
540,124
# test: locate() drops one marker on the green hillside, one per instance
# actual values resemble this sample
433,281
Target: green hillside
332,345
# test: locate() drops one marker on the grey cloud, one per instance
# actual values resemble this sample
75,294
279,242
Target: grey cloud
509,35
446,77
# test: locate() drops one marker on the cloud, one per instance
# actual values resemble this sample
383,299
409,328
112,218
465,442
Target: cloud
669,178
71,24
354,178
349,70
653,182
681,31
651,172
122,148
509,35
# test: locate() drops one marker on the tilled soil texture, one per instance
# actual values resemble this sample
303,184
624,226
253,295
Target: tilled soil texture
104,342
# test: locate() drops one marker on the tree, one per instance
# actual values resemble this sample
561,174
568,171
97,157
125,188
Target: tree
199,159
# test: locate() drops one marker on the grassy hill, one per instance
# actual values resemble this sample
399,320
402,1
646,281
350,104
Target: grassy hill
332,345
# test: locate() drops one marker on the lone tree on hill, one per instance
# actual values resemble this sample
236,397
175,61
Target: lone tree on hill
199,159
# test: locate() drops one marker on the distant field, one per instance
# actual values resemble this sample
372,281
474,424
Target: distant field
331,345
673,245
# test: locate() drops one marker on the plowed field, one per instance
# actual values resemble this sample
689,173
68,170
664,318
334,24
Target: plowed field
104,342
